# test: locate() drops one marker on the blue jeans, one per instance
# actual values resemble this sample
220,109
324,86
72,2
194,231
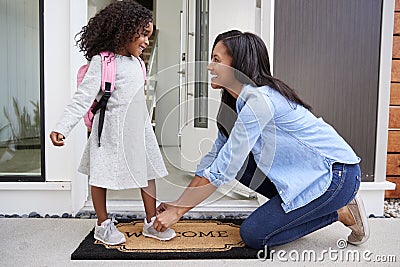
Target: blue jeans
269,225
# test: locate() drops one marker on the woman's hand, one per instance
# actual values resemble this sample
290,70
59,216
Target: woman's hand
163,207
57,139
167,215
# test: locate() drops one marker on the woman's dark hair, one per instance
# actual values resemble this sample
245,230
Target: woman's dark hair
228,102
251,62
113,27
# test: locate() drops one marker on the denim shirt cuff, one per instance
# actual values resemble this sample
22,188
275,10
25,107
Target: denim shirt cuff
212,177
199,173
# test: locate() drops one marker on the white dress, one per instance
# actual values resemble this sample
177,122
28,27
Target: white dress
129,155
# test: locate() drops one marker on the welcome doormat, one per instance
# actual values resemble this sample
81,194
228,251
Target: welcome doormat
195,239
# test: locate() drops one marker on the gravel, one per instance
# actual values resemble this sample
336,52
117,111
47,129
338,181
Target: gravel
391,210
126,215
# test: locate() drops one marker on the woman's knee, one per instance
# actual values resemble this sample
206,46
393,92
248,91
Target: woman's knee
251,234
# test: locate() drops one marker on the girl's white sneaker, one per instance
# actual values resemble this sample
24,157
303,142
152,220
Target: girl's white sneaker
108,233
149,231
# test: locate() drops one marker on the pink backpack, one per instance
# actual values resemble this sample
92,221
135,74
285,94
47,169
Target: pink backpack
107,86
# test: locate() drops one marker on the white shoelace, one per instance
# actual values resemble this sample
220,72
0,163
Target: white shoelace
110,228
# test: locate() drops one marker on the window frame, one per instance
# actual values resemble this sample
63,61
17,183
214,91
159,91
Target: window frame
42,176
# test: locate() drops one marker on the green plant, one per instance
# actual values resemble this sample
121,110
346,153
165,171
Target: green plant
25,126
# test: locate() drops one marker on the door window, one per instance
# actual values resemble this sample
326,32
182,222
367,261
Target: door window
201,58
21,76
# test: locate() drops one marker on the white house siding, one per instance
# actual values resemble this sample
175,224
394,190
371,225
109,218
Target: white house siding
65,190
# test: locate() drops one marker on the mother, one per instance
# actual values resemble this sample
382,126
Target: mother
306,169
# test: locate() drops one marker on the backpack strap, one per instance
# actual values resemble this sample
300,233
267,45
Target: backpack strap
109,70
108,74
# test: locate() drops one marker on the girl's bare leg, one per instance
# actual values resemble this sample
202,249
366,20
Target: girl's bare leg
99,203
149,199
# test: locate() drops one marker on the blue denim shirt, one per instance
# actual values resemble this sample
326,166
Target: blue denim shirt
290,145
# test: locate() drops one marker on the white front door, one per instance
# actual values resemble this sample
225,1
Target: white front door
186,106
199,103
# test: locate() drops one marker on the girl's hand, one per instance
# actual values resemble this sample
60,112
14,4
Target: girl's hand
57,139
167,215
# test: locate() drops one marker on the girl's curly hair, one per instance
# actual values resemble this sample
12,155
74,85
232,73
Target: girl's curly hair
113,27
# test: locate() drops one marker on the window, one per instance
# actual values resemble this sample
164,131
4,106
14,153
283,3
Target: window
201,58
21,89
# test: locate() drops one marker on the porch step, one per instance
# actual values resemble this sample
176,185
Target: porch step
238,209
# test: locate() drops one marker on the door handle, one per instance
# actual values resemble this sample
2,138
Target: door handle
181,73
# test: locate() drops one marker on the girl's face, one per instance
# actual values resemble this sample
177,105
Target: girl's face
138,44
220,68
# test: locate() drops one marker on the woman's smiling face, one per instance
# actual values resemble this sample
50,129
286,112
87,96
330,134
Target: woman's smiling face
222,74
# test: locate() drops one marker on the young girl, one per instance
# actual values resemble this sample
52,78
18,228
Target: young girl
129,156
306,169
